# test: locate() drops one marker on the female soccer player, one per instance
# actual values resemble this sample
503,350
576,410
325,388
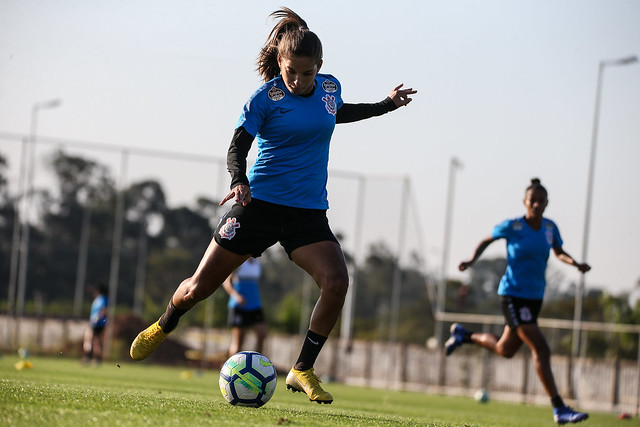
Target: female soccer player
284,199
94,334
529,240
245,306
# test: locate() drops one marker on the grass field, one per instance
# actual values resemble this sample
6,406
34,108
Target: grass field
63,392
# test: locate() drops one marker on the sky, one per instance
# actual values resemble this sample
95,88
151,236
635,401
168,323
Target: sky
507,88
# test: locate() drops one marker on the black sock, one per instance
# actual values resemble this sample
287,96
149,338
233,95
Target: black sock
557,402
169,320
310,349
466,338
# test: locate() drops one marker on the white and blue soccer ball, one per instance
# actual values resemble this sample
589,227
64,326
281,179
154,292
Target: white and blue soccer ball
481,396
248,378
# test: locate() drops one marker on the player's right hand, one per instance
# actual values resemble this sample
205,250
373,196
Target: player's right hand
464,265
240,193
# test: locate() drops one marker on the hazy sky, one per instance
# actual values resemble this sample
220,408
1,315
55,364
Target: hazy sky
507,87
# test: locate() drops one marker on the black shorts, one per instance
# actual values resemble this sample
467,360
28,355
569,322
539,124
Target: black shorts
98,329
520,311
242,318
251,229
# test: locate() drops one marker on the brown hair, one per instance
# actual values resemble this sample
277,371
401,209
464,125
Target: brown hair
289,37
536,185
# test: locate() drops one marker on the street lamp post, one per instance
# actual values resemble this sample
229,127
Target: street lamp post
29,169
577,314
453,166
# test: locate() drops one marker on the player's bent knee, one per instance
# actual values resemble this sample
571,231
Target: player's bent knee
335,286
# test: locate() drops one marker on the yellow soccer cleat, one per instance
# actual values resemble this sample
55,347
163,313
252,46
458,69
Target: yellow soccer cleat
146,342
309,383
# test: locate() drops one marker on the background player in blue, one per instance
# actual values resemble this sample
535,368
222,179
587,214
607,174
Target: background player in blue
284,199
94,335
245,306
529,240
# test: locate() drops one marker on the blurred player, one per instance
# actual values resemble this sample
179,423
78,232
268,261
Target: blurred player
529,239
245,306
292,117
94,334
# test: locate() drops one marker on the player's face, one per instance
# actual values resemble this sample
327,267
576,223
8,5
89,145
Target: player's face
536,202
299,73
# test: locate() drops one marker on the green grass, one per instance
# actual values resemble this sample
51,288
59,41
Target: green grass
62,392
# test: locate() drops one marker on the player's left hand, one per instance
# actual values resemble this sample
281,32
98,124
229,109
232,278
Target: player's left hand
583,267
400,96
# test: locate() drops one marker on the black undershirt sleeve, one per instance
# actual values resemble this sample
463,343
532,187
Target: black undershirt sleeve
237,156
353,112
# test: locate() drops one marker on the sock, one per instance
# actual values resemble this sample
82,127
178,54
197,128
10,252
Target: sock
466,338
310,349
169,320
557,402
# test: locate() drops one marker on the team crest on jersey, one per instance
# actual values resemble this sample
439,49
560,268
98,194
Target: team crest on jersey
525,314
228,229
517,225
329,86
330,104
275,94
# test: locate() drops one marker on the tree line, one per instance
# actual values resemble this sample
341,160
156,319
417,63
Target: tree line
71,243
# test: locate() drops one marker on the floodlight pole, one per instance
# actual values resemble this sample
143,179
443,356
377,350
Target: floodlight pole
346,326
29,170
114,269
577,313
454,164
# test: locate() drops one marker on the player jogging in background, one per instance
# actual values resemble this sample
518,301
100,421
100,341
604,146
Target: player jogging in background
284,199
529,240
245,306
93,342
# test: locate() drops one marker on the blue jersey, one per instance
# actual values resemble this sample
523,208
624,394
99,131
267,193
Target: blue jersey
527,255
293,134
96,317
245,282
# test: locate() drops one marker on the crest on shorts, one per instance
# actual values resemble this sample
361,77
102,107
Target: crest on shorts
330,104
329,86
525,314
228,229
275,94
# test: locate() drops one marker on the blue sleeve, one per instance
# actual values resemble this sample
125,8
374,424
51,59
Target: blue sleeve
254,113
502,230
557,239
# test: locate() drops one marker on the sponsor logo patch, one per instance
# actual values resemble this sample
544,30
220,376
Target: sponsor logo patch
330,104
329,86
228,229
275,94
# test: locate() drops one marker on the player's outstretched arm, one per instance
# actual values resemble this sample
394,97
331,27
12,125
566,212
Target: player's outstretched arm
484,244
568,259
398,97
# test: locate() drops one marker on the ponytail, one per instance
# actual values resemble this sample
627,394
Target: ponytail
289,37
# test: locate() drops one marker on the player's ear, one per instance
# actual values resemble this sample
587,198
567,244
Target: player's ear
319,66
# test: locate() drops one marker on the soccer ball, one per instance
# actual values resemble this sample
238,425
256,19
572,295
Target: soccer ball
247,378
482,396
